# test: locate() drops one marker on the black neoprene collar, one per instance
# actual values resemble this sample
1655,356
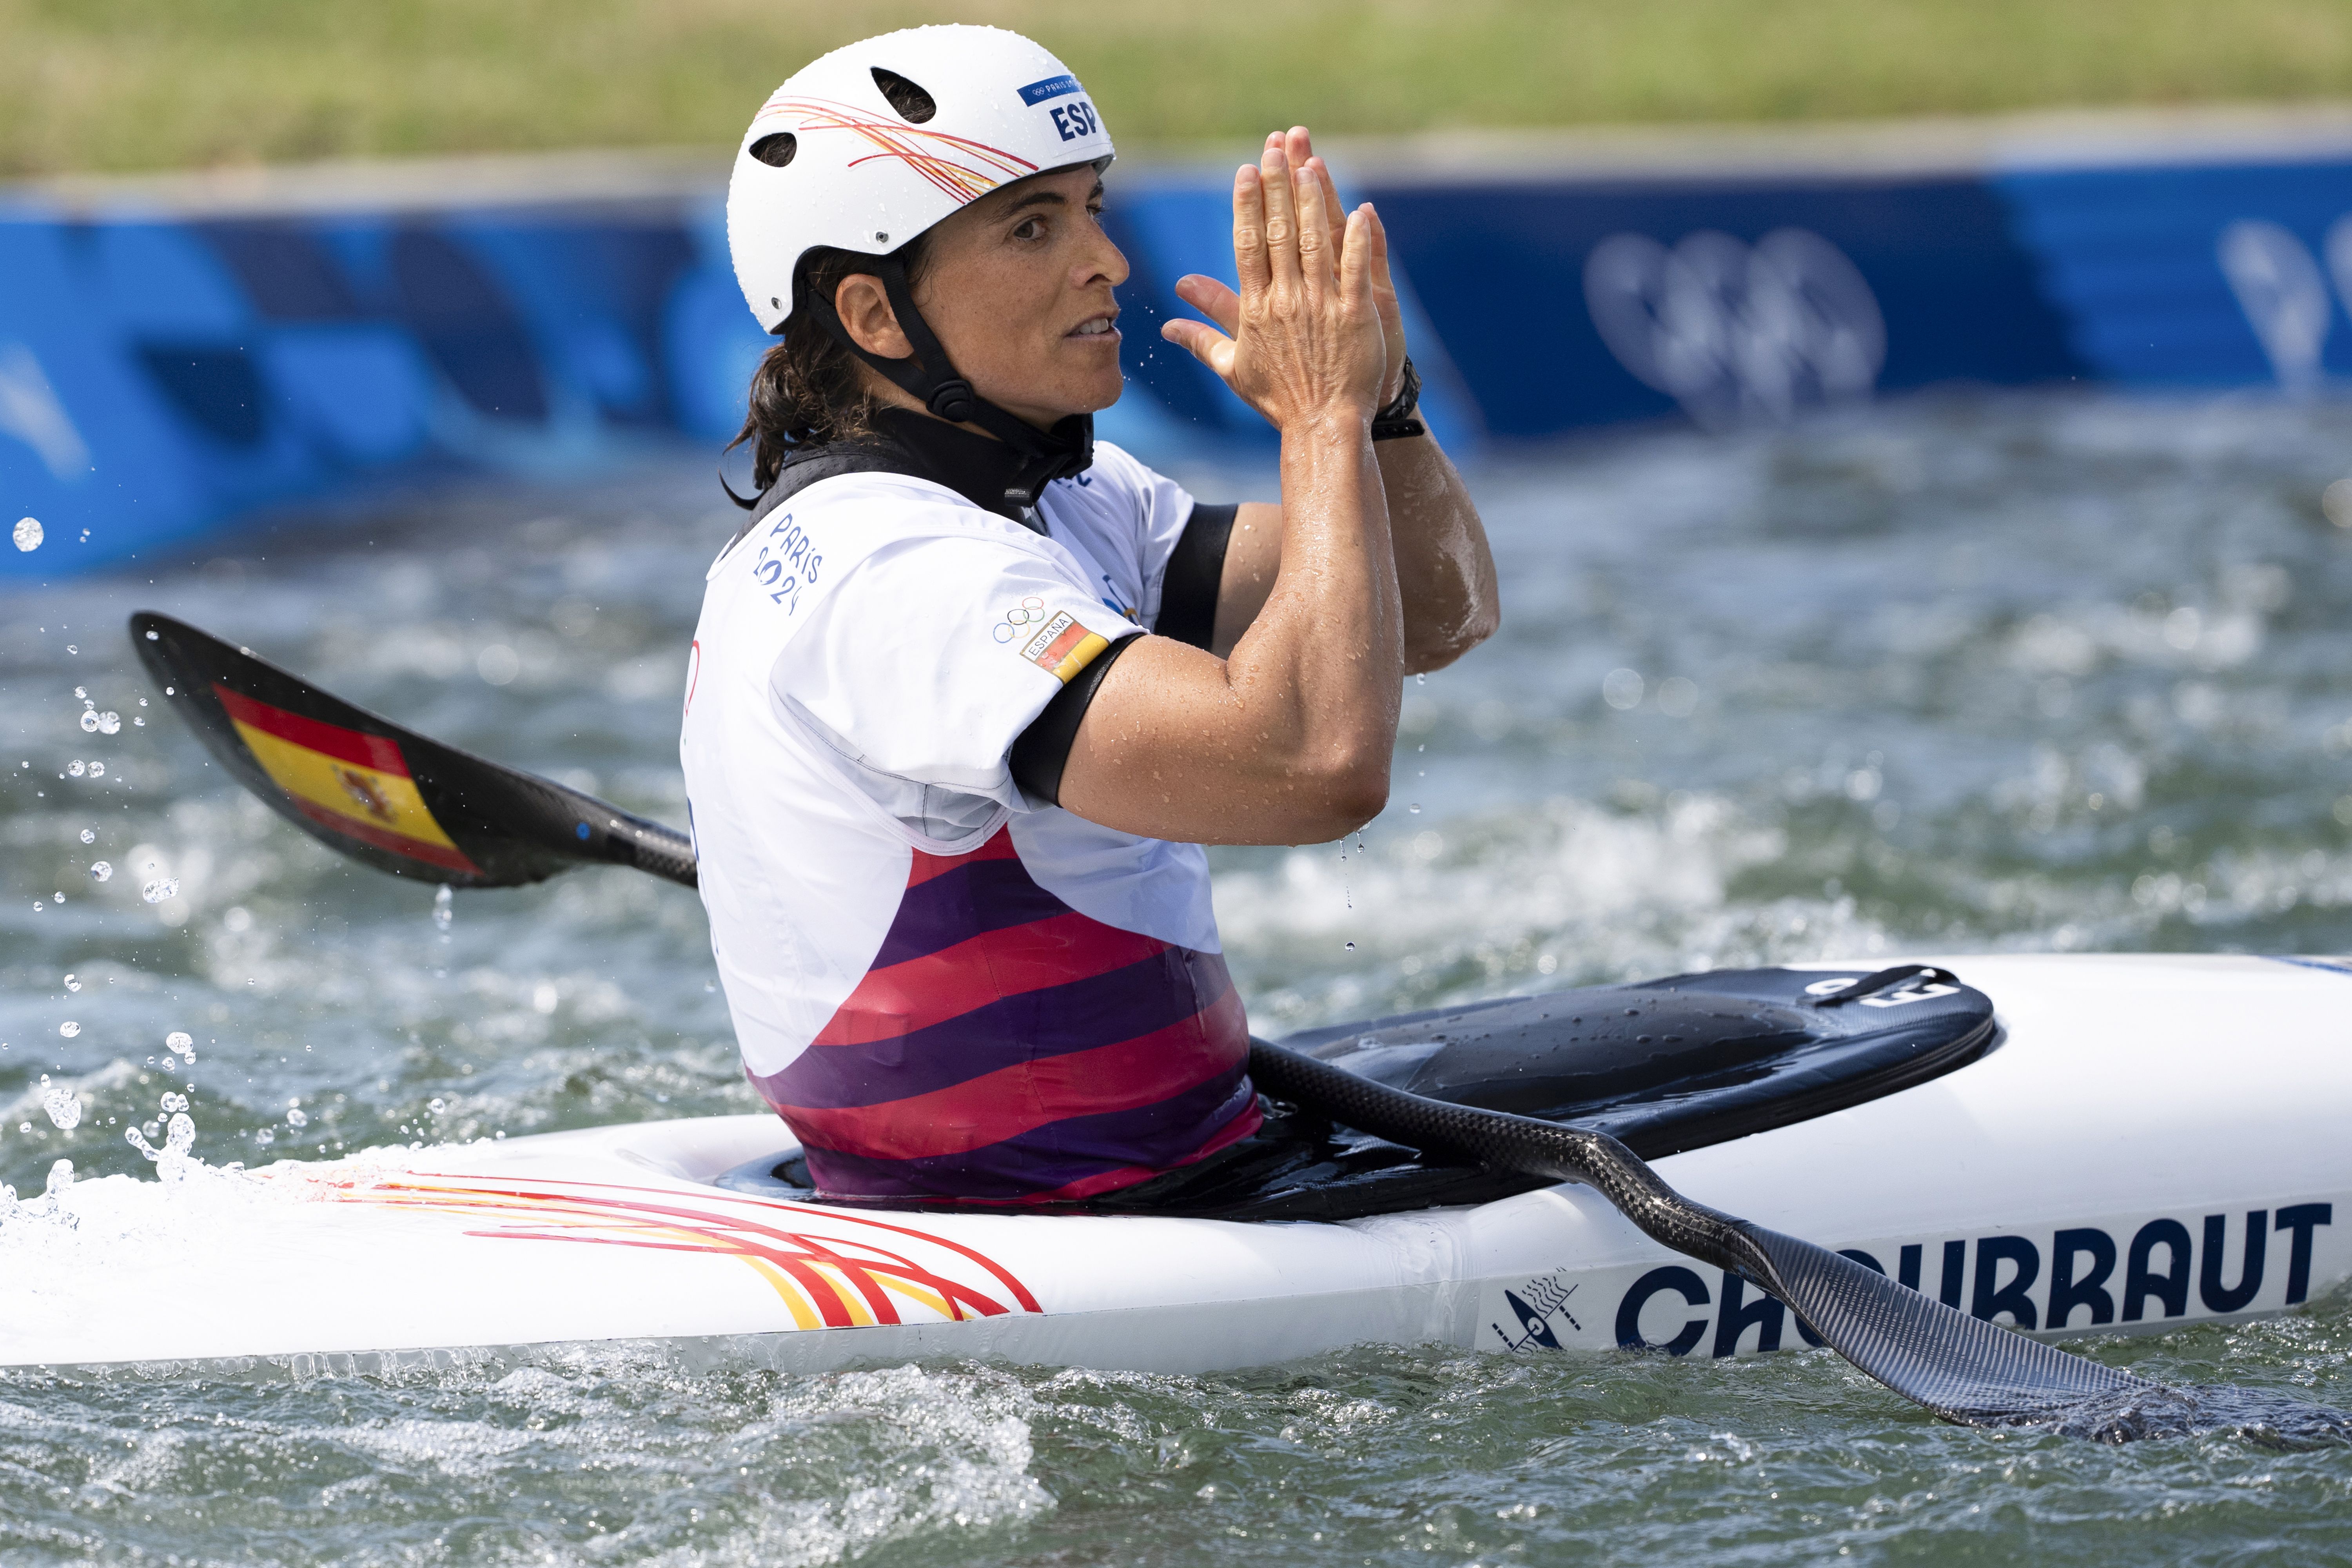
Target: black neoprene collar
985,472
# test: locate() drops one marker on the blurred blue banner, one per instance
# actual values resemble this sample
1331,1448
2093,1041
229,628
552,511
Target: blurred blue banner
161,376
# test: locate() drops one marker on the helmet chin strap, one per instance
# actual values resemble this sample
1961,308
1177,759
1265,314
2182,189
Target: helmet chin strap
1067,448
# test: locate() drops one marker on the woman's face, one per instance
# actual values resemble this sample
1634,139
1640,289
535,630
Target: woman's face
1018,288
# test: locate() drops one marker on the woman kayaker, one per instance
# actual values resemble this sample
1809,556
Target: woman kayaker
969,691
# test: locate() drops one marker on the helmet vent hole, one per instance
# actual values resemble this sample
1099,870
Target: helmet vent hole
912,103
776,150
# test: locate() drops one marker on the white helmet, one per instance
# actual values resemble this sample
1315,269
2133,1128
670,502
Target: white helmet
869,146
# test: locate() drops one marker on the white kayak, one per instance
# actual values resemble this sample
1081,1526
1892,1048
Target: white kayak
2152,1141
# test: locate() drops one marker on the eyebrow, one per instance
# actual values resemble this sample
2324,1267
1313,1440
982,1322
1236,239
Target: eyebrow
1042,197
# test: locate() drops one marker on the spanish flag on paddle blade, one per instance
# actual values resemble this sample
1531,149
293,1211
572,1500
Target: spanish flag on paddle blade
346,781
381,795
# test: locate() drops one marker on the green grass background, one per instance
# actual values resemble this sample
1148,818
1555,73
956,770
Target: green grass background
146,84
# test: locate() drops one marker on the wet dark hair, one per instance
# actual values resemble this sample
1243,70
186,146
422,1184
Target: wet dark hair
809,389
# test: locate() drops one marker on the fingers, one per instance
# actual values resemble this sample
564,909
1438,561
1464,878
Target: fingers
1250,260
1282,220
1376,233
1203,343
1314,233
1212,299
1356,261
1336,214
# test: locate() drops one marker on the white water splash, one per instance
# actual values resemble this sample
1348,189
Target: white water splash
62,1105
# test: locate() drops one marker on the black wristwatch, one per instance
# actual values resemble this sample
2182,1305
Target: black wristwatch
1396,421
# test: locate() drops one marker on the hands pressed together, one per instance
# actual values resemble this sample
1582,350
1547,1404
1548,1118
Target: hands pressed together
1315,334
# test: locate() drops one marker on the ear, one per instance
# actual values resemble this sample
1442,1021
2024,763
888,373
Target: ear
864,307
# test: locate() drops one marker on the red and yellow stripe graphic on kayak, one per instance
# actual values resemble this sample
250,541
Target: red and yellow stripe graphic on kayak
347,781
854,1278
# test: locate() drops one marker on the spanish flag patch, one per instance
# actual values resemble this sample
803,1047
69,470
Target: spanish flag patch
346,781
1063,647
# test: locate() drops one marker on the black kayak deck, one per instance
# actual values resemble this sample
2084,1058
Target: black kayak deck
1664,1065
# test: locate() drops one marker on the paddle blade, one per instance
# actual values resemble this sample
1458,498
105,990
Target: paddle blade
1969,1371
381,795
1962,1368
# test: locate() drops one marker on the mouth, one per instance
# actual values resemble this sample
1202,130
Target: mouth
1095,328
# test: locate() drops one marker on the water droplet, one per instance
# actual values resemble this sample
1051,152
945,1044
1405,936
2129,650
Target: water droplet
64,1106
69,1029
1414,808
436,1106
444,908
138,1139
98,770
152,637
110,723
1352,947
100,871
177,1040
1421,679
90,722
73,983
182,1136
29,534
172,1101
297,1118
89,836
61,1179
82,692
76,767
162,888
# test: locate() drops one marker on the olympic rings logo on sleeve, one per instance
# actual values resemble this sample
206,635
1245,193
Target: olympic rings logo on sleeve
1029,612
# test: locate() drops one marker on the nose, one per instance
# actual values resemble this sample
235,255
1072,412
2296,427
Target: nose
1101,262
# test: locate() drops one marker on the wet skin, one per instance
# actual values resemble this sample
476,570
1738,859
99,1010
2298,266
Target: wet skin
1282,732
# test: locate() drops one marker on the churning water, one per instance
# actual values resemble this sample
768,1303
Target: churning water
2015,673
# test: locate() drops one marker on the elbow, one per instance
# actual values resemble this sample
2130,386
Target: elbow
1348,790
1445,645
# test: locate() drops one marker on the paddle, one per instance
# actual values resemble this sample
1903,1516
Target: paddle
403,803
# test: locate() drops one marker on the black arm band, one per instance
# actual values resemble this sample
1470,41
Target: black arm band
1188,590
1043,750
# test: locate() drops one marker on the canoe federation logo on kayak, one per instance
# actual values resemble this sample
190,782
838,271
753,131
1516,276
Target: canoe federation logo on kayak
829,1269
2153,1272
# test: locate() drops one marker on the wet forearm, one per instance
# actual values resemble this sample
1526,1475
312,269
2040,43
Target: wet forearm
1445,573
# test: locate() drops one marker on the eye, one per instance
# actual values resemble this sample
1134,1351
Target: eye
1030,229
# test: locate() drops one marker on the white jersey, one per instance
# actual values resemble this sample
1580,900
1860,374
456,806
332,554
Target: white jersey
947,988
